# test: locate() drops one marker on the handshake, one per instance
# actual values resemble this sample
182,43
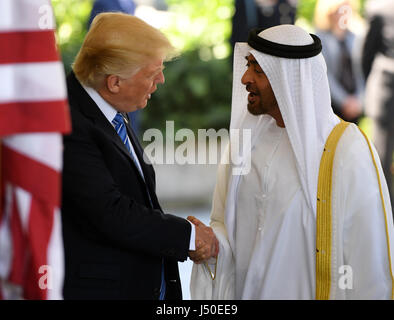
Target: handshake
207,246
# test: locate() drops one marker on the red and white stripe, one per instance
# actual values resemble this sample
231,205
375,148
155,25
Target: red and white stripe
33,115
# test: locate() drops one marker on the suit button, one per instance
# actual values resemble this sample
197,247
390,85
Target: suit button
168,252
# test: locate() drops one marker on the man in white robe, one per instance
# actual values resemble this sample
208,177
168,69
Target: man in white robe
266,218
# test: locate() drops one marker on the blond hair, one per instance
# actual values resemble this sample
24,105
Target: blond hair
118,44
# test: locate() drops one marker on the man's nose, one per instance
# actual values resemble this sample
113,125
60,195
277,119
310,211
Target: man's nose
246,78
160,78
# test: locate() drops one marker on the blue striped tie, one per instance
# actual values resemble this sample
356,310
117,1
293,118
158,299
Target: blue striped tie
120,128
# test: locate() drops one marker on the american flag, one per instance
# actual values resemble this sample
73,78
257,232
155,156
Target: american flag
33,116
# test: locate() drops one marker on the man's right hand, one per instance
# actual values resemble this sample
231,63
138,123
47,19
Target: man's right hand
207,245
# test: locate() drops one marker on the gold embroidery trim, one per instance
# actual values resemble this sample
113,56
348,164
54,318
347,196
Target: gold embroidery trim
384,211
324,214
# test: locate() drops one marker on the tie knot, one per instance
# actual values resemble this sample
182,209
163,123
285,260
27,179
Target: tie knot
118,119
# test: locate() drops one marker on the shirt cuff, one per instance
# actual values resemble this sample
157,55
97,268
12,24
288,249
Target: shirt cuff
192,244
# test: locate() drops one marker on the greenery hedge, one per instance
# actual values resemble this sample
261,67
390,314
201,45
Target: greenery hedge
197,91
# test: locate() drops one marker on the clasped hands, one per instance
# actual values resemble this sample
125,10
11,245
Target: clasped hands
207,246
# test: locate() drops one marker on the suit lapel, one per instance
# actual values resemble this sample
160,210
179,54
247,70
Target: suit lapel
146,168
89,108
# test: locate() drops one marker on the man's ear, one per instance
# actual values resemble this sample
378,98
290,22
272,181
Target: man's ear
113,83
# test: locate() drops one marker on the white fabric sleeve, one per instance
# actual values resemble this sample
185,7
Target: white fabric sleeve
202,287
192,244
367,231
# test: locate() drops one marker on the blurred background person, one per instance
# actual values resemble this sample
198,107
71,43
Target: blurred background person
125,6
343,68
378,69
251,14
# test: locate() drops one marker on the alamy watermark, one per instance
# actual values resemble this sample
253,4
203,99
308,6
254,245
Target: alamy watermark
192,149
46,19
345,12
45,281
346,279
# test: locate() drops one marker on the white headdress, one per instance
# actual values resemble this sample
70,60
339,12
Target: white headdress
291,59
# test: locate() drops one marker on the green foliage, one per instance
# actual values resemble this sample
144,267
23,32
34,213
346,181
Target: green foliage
196,94
199,24
305,10
197,91
71,20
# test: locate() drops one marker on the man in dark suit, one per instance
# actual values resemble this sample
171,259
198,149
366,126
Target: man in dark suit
126,6
118,242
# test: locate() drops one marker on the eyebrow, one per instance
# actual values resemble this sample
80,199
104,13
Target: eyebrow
157,70
251,61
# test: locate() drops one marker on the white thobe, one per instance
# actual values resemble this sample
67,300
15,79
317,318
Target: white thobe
273,256
274,229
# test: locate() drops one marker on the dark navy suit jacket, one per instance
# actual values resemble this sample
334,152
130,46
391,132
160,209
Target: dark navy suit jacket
115,239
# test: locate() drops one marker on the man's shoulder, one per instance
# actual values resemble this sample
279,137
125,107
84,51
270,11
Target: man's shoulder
79,101
75,90
353,149
354,172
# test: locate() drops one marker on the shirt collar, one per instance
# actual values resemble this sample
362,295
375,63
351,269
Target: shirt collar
108,111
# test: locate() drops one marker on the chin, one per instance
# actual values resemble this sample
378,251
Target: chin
143,105
140,106
254,110
131,109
